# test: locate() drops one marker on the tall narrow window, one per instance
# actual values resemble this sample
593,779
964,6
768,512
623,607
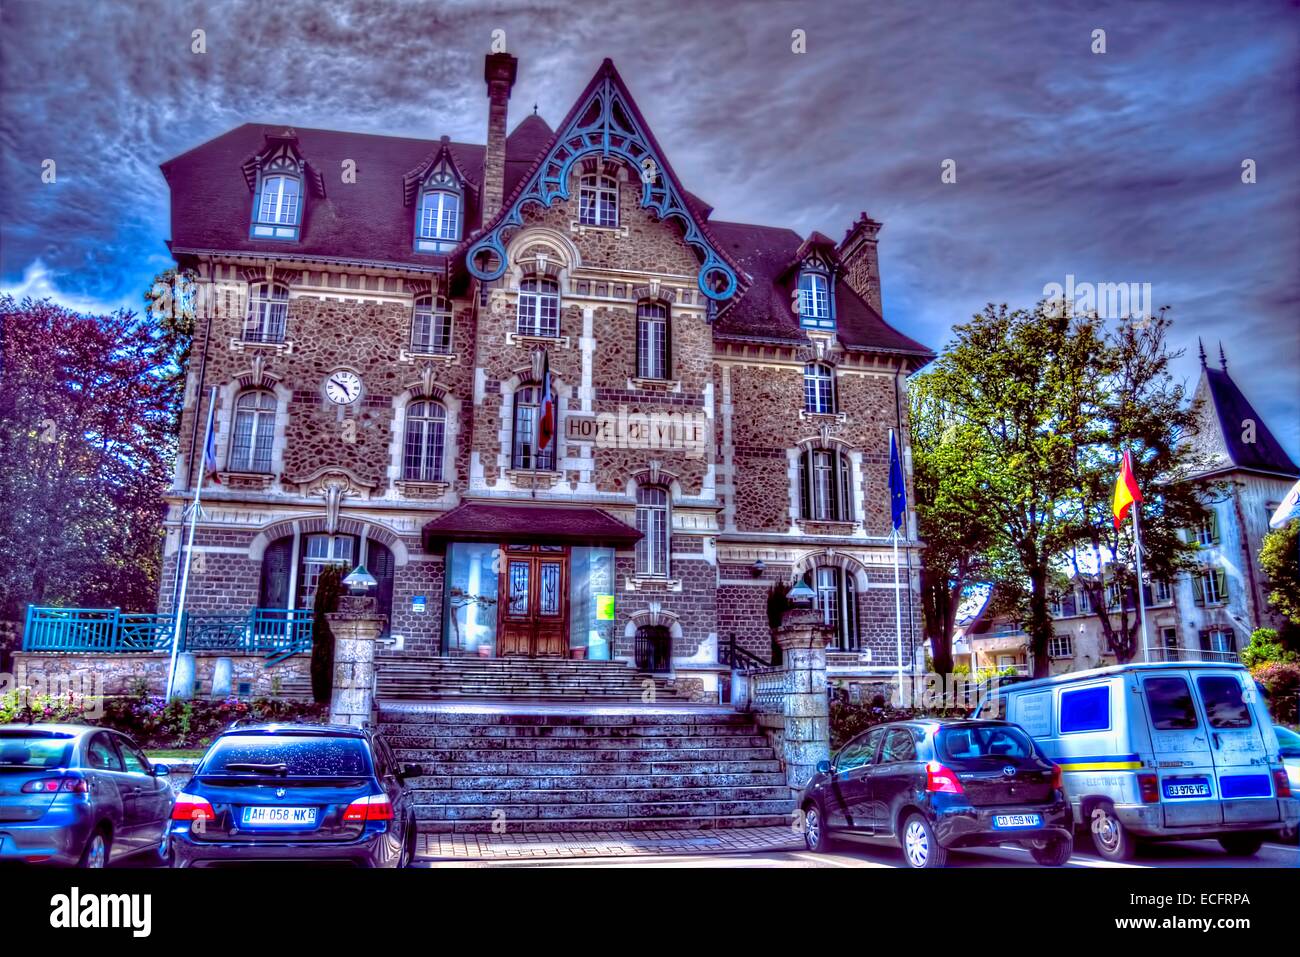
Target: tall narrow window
539,307
815,301
835,599
322,551
253,433
431,326
652,341
426,427
526,454
598,201
268,311
279,208
652,523
826,485
439,216
818,388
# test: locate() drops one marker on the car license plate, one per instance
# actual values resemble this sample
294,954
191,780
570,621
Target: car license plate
279,817
1187,788
1009,821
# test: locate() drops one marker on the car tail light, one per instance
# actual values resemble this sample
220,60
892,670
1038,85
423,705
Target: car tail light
376,807
191,807
939,778
1149,787
1280,783
1057,783
55,786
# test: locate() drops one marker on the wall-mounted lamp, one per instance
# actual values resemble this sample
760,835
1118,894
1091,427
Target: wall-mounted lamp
360,581
758,568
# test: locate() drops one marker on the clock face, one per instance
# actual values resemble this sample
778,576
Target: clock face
343,387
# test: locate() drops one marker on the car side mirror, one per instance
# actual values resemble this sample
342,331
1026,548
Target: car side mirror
823,766
411,771
161,770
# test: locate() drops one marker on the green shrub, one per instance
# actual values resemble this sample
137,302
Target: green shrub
328,588
1281,681
848,719
1265,648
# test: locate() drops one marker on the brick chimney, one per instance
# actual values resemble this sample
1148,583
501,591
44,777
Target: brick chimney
861,261
499,72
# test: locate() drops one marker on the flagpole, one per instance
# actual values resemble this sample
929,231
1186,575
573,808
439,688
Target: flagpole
179,610
1142,605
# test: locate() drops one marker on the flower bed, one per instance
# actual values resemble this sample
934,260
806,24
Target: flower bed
151,721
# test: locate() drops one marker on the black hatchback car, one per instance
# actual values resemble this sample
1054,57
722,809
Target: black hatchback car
296,793
932,785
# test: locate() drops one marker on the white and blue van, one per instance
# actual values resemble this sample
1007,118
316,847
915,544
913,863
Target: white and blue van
1169,751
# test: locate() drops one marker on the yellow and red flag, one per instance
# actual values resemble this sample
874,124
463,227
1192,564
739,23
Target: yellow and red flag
1126,490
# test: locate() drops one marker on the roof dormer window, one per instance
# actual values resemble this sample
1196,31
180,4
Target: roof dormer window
815,310
438,219
278,213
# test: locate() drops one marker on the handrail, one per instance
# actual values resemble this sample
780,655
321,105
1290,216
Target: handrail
737,657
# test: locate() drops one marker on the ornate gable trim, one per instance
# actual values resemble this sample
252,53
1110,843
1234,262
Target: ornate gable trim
281,154
440,160
605,121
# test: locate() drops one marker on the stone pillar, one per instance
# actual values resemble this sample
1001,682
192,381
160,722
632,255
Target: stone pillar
222,673
806,738
356,627
183,682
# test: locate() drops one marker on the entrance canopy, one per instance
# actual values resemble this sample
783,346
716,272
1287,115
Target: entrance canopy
540,524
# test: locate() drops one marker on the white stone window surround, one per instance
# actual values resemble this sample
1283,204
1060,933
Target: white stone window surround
223,426
560,391
397,441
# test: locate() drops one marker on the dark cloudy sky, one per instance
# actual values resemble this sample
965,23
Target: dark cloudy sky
1119,167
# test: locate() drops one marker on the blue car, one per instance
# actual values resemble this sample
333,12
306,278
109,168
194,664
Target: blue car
77,795
296,793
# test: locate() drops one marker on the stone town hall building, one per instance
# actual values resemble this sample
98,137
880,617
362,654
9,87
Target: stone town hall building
381,312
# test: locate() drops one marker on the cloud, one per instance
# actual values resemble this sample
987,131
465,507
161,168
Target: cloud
1117,167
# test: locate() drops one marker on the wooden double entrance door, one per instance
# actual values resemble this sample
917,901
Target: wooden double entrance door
533,616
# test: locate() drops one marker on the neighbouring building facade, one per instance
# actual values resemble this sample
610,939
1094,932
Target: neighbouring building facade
385,321
1207,613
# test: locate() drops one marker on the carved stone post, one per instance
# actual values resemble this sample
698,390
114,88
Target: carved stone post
356,627
806,737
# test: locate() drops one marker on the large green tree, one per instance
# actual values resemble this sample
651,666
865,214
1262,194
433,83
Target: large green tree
1143,408
86,445
1279,559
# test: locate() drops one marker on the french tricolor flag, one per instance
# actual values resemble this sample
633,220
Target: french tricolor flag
546,413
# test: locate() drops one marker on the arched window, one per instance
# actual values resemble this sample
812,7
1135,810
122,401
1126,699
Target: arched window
278,212
825,485
268,310
818,388
652,522
253,433
431,326
653,341
539,307
426,427
598,201
527,431
815,300
439,219
835,599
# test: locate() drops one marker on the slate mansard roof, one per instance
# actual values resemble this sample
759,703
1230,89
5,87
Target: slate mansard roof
369,221
1232,410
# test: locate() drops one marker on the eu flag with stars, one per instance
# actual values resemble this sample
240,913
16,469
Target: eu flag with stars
897,485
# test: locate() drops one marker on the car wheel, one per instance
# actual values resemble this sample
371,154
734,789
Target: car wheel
1241,845
814,829
920,846
95,853
1052,852
1110,837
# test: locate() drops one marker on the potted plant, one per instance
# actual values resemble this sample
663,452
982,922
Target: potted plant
579,653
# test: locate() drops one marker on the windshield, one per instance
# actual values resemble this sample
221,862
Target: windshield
1289,741
287,755
983,741
34,750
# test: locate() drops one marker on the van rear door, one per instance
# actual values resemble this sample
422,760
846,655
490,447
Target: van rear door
1189,794
1237,745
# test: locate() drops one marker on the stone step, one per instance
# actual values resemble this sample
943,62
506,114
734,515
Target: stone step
411,752
539,796
711,810
586,769
545,826
571,732
624,717
455,781
409,739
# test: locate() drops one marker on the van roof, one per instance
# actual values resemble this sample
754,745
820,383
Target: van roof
1095,673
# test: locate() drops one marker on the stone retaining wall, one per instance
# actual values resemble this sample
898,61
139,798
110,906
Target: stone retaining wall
118,674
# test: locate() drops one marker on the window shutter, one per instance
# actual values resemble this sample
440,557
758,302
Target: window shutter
668,343
1222,575
1206,644
845,471
805,484
275,575
639,369
1198,588
1214,527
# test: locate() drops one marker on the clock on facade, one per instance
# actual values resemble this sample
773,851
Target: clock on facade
343,387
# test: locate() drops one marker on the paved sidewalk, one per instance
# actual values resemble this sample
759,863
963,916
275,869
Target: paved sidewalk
587,844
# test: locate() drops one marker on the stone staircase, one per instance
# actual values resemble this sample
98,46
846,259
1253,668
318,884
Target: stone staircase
424,678
556,768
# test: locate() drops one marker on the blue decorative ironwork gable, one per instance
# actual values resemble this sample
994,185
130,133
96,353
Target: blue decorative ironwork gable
605,122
